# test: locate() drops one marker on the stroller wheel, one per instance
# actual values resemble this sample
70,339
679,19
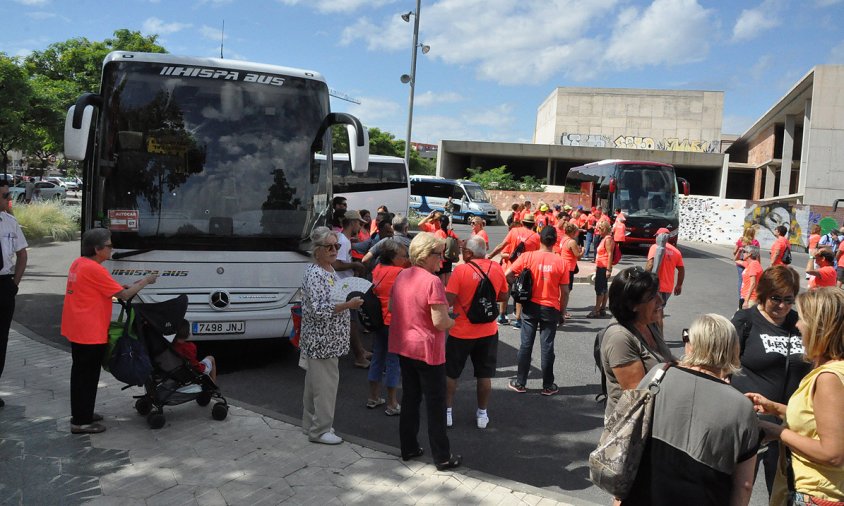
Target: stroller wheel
143,406
155,420
219,411
203,399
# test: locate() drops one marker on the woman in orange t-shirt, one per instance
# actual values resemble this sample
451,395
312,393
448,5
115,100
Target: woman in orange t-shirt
571,253
393,258
478,229
814,239
603,268
85,319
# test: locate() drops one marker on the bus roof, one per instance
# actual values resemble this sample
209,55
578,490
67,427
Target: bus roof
626,162
440,179
372,158
189,61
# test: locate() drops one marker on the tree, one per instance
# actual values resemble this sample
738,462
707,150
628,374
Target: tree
14,105
493,179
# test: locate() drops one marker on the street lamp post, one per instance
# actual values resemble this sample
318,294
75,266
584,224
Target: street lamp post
411,79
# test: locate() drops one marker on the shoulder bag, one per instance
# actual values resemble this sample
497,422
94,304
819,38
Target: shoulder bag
614,464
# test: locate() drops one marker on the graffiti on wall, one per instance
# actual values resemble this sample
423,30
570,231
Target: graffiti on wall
711,220
636,142
767,218
592,141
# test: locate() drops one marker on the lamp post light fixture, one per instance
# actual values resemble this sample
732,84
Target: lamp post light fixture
411,78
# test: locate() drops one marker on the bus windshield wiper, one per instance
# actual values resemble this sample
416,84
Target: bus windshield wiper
130,253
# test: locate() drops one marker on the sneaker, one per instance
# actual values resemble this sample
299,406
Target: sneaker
517,324
516,386
88,428
550,389
483,420
512,316
328,438
502,320
448,420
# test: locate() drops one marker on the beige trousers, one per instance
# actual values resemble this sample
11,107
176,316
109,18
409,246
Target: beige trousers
322,378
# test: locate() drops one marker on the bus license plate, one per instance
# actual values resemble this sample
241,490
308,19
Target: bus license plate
218,328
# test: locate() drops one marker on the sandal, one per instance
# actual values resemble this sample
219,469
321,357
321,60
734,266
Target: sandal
374,403
393,411
451,463
593,314
603,313
412,455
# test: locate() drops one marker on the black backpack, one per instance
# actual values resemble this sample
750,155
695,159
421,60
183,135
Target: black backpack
517,251
484,306
786,255
370,315
522,288
596,354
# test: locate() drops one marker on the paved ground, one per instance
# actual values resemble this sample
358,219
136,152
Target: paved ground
249,458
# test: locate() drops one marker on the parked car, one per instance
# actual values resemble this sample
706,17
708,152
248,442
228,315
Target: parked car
44,190
68,183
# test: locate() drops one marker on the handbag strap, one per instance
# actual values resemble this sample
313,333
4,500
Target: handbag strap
653,385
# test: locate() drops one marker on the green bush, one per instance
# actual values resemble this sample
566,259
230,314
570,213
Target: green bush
493,179
48,219
531,184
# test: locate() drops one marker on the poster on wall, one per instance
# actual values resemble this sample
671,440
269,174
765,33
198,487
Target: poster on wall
768,217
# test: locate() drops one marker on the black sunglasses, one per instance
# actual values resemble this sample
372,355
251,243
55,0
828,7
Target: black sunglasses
779,300
685,336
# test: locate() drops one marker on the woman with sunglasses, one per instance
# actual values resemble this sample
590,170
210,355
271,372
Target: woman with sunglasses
419,318
324,338
811,471
771,348
86,315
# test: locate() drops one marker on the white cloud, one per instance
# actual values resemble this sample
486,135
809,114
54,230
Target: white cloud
752,22
508,41
762,65
372,110
430,98
32,2
23,53
330,6
158,26
41,15
667,32
212,33
836,55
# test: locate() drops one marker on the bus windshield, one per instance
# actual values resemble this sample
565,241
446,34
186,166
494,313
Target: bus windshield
476,193
646,191
187,160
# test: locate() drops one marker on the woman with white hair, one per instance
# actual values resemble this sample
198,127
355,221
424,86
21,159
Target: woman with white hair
324,339
419,319
704,435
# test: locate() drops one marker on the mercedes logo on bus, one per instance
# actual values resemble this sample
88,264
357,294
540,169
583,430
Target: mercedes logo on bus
219,300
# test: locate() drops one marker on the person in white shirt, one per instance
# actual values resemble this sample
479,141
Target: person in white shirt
12,264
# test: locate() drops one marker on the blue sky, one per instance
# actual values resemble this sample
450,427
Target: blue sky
492,62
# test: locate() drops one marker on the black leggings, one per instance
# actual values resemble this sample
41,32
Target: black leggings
84,376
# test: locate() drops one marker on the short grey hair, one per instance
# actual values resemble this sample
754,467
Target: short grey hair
714,343
752,251
400,224
319,235
94,239
477,246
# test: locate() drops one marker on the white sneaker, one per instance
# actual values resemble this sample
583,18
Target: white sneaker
483,420
448,421
329,438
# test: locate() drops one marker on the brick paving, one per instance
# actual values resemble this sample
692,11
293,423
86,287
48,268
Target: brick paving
249,458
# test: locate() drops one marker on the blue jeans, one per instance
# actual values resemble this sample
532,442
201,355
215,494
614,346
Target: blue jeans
546,319
383,364
589,237
740,270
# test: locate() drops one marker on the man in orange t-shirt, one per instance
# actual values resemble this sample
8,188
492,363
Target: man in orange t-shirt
465,339
672,260
516,236
825,274
779,246
619,228
543,312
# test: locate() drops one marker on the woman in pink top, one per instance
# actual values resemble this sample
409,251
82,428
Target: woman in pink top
571,253
419,319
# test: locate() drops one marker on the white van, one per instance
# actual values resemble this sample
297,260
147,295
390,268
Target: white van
430,193
385,183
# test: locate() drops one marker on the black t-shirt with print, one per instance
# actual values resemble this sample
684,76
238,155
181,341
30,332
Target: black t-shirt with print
764,347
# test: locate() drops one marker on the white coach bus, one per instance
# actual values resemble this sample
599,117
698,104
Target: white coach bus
386,183
207,172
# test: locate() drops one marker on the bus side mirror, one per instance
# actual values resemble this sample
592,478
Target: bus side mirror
358,153
76,139
684,186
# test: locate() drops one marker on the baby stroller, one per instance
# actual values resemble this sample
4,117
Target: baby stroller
173,380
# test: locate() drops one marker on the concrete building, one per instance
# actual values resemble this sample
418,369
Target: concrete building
580,125
795,151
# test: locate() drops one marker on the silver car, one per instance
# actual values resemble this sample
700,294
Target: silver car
44,190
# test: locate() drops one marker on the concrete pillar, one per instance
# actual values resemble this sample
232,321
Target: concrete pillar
787,155
804,151
549,171
770,179
725,169
757,184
